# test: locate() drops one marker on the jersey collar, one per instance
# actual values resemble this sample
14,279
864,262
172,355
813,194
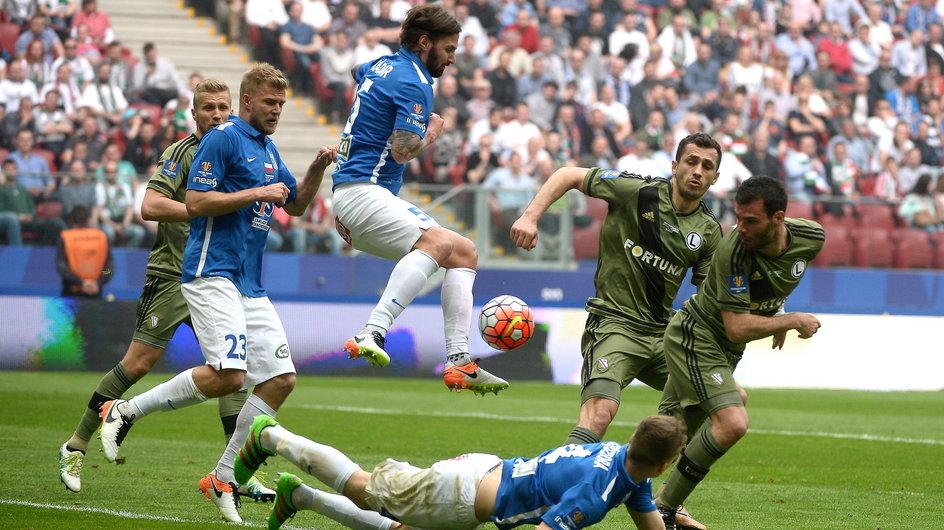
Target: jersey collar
247,129
417,63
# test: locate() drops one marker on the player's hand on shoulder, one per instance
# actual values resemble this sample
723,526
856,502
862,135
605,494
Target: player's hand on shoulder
524,233
275,193
807,325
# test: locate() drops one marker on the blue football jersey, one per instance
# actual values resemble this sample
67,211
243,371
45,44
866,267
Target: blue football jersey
569,487
393,92
232,157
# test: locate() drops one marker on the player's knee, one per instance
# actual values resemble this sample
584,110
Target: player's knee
735,427
229,381
283,385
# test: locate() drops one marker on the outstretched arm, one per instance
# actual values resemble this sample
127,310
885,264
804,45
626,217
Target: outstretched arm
213,203
307,188
745,327
524,232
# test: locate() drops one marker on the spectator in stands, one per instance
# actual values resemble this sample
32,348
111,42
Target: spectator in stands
78,189
616,114
731,135
315,230
509,12
919,209
448,96
504,88
880,30
16,86
761,158
843,172
803,122
824,77
702,79
911,170
863,50
526,25
22,118
38,30
142,145
903,100
20,12
531,82
387,26
485,11
799,50
934,47
269,16
672,9
99,25
115,208
595,126
724,42
843,12
908,55
336,60
638,160
678,44
884,78
515,134
86,45
304,43
575,72
837,47
553,62
513,189
81,70
52,123
83,257
59,13
18,210
68,89
857,149
518,61
930,154
87,144
104,100
371,48
555,28
745,72
350,24
32,169
121,74
316,14
921,15
481,105
38,70
805,172
155,78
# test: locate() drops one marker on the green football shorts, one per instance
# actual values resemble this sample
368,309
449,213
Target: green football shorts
161,310
615,352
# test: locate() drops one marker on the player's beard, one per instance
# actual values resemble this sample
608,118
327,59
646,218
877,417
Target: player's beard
435,63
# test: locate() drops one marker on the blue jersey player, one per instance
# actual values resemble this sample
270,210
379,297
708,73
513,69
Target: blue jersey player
236,179
390,124
569,487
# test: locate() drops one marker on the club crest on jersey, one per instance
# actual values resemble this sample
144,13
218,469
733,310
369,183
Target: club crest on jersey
604,365
170,169
693,241
154,320
282,352
757,276
262,209
418,108
737,283
799,267
717,378
206,166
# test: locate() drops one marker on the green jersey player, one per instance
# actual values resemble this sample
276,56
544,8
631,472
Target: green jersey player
756,266
161,308
656,229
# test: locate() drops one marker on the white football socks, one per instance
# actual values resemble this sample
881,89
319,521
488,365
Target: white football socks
324,462
177,393
406,281
457,309
339,508
254,406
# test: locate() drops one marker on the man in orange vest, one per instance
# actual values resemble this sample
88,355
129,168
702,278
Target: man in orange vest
83,257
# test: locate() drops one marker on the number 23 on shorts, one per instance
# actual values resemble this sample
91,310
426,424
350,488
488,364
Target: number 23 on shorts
237,349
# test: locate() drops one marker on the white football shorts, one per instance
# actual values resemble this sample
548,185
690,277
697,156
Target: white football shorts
375,221
237,331
442,496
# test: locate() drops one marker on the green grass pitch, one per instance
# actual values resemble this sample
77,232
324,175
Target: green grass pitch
813,459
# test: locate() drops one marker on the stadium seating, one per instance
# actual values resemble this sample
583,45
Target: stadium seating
597,208
877,215
800,209
48,156
153,111
838,250
8,35
44,210
873,247
587,240
914,253
831,222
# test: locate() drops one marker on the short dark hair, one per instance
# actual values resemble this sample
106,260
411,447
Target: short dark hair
700,139
148,46
431,20
657,440
79,215
767,189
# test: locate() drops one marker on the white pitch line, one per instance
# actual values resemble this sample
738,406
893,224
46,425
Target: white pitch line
117,513
551,419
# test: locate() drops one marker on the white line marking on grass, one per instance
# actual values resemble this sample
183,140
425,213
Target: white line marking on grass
117,513
551,419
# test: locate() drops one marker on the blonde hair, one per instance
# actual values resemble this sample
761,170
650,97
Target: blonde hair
210,86
260,75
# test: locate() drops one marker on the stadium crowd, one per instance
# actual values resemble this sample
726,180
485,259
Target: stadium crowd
840,99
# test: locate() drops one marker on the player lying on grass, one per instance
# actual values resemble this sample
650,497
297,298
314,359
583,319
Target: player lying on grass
569,487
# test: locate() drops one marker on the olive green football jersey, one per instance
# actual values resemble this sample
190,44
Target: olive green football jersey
170,178
646,248
745,281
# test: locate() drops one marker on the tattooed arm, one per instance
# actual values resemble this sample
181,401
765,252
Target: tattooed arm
406,145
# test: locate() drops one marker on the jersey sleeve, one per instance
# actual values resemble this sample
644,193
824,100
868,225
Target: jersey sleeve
166,178
610,185
701,267
730,268
414,103
210,161
579,507
640,499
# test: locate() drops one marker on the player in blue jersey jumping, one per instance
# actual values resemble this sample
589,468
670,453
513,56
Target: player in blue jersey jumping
569,487
391,123
236,179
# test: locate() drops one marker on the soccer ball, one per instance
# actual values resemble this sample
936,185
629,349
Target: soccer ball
506,322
